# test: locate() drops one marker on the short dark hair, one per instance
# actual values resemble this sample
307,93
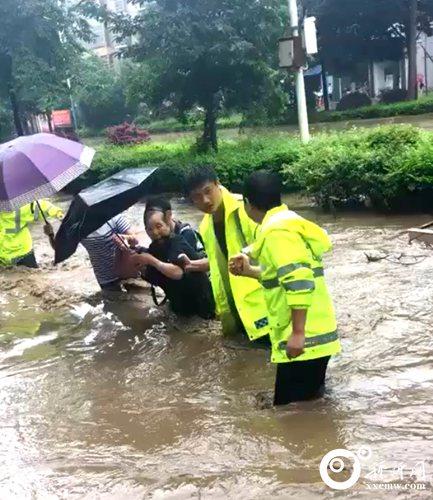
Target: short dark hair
262,189
158,203
198,176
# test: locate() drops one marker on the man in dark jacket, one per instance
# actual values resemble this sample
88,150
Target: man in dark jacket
188,293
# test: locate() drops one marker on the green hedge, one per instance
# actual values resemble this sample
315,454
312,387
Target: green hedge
421,106
234,160
390,165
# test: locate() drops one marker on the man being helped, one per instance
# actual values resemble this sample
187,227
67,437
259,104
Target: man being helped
104,249
303,326
225,230
162,204
16,244
188,293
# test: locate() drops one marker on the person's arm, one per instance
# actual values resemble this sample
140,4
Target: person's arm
51,210
240,265
296,342
124,231
171,271
191,266
200,265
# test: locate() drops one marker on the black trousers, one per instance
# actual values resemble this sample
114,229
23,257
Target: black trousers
28,260
300,380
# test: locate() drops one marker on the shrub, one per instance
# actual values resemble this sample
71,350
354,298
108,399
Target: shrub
392,165
234,160
353,100
127,133
384,164
421,106
390,96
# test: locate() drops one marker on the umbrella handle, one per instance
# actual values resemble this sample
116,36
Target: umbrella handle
50,236
42,212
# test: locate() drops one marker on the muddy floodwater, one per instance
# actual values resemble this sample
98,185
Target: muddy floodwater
117,399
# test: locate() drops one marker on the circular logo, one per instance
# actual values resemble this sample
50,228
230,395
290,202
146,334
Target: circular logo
335,463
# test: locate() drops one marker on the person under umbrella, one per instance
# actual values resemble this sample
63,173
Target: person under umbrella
94,219
105,254
16,244
32,168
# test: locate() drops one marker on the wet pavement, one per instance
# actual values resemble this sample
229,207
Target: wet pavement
118,399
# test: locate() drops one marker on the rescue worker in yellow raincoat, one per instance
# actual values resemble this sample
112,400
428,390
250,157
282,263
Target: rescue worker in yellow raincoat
289,249
225,230
16,244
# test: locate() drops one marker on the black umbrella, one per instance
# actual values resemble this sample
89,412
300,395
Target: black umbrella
96,205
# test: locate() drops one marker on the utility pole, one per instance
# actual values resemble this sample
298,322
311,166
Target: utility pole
300,84
74,114
412,49
325,87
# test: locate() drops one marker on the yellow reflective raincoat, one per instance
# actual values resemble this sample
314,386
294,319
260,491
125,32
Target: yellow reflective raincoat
15,237
289,250
245,294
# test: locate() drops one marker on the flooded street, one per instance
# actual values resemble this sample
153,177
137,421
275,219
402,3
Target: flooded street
118,399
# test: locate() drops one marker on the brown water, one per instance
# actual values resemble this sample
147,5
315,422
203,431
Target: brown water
115,399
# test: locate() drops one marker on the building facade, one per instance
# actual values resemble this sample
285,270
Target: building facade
104,44
391,74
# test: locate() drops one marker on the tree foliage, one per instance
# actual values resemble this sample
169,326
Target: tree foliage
98,91
210,53
38,38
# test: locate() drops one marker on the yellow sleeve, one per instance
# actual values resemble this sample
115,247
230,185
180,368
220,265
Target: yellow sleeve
51,210
289,256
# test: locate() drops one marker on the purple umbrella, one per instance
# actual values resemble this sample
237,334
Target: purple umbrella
38,166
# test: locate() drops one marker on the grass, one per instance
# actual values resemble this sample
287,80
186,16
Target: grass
169,125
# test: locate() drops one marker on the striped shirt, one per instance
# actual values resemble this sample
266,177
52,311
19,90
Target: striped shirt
102,250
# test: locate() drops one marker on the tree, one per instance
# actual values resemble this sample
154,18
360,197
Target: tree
6,125
210,53
98,90
37,39
351,31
